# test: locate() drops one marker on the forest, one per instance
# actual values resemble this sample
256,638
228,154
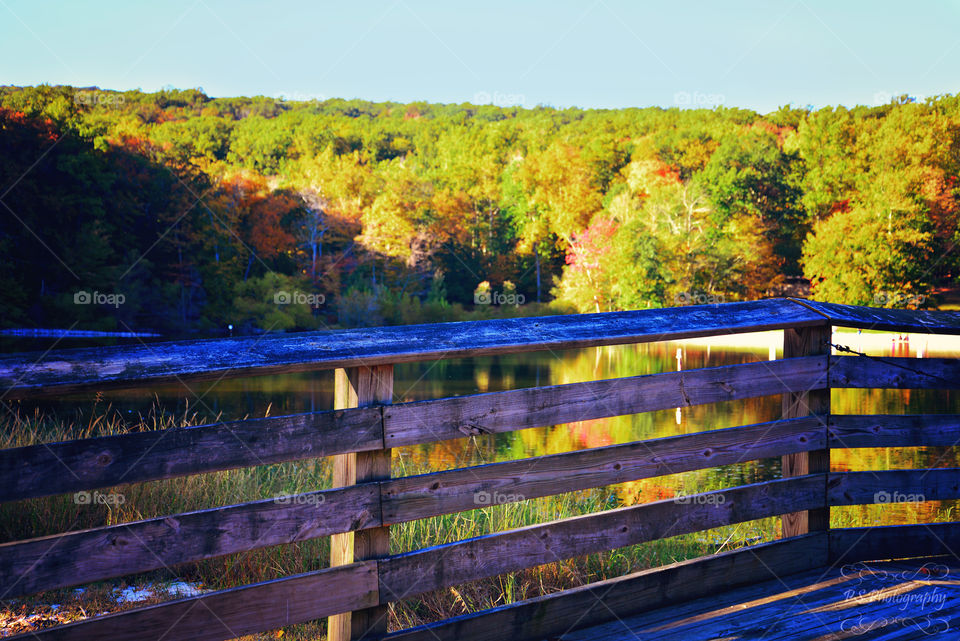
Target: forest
182,214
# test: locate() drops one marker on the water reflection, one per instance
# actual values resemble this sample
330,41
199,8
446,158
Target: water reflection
284,394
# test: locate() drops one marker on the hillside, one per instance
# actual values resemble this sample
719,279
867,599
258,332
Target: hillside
182,213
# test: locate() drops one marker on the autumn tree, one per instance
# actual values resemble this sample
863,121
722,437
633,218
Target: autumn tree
864,257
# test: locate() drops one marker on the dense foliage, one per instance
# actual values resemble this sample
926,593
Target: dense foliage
177,212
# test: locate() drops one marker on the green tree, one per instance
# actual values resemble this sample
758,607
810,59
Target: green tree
750,175
863,257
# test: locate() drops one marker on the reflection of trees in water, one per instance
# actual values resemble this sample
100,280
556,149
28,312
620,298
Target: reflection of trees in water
467,376
415,381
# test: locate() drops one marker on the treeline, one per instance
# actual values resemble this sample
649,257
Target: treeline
181,213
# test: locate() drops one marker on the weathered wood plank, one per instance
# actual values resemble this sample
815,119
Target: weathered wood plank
81,557
449,418
553,615
70,466
894,430
893,486
894,372
60,371
807,342
849,545
412,573
232,613
359,387
891,320
417,497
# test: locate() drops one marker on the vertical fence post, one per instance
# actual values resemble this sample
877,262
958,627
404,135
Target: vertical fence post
807,341
358,387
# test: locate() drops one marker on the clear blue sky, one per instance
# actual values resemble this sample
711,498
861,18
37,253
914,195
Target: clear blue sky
596,53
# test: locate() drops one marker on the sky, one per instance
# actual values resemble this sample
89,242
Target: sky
591,54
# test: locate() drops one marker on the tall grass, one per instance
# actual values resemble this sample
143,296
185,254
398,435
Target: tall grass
52,515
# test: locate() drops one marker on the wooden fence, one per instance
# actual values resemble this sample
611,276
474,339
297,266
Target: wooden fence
364,578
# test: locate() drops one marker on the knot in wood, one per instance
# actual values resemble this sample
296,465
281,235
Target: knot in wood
472,429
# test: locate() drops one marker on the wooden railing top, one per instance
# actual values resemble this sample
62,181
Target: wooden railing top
891,320
75,369
283,353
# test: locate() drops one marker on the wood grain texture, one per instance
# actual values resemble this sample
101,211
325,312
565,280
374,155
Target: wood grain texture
361,387
891,320
231,613
894,430
449,418
851,545
406,575
894,372
807,342
71,466
554,615
65,370
893,486
91,555
416,497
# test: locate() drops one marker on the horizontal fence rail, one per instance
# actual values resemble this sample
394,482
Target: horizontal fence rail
887,320
555,614
412,423
894,372
128,548
445,565
365,577
851,545
232,613
416,497
893,486
894,430
71,370
70,466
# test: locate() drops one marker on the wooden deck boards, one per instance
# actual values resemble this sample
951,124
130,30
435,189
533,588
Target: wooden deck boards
868,601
